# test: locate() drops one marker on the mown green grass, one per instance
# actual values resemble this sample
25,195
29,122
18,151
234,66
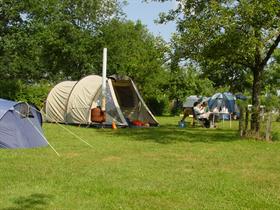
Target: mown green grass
155,168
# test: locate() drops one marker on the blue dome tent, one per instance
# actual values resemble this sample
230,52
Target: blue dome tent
20,125
222,100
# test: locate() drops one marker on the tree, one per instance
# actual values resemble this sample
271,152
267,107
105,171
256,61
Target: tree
133,51
271,83
232,76
184,80
239,33
57,40
272,74
51,39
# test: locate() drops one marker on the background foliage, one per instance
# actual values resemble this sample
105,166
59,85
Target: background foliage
44,42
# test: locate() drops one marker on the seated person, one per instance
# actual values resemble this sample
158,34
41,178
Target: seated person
205,106
201,114
199,110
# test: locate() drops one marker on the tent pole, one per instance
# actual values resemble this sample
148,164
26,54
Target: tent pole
104,72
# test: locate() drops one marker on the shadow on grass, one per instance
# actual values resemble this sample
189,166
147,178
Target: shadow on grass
34,201
171,134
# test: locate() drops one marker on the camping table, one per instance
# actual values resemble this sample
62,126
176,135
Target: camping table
221,113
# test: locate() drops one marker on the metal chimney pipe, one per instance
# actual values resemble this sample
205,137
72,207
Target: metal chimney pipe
104,77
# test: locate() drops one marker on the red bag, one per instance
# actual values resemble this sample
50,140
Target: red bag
137,123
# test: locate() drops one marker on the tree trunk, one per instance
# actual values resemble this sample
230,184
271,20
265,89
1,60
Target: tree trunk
268,127
257,73
246,121
255,120
241,121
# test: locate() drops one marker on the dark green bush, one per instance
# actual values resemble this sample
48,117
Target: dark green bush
275,136
278,118
176,107
158,106
34,93
9,89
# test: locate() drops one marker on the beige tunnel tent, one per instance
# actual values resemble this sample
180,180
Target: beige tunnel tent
71,102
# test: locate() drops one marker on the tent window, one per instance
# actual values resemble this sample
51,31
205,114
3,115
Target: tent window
24,110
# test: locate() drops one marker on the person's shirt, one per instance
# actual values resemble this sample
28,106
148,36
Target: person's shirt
198,111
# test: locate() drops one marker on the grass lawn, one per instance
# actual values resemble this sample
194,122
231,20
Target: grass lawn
156,168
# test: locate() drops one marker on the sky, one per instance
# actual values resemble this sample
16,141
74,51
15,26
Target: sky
148,12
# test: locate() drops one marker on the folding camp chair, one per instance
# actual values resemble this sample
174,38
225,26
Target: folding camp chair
200,121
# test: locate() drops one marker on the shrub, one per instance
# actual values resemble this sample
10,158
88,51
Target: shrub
158,106
275,136
176,107
9,89
34,93
278,118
